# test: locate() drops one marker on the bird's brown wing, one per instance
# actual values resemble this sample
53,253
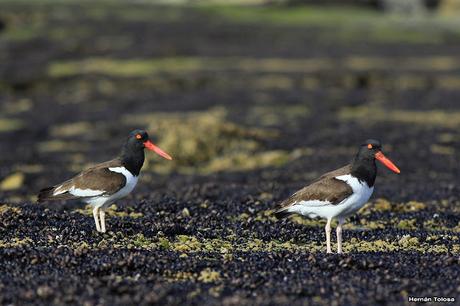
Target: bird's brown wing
326,189
98,180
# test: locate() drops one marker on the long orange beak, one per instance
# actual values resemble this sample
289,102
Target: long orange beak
149,145
388,163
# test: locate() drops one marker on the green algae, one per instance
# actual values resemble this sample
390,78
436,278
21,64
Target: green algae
131,67
185,245
407,224
207,142
17,106
442,150
371,115
16,242
350,24
383,205
71,129
279,114
271,67
57,145
111,211
9,125
179,276
9,209
209,276
12,182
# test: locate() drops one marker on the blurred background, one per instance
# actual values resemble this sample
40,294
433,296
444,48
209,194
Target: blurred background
256,91
253,99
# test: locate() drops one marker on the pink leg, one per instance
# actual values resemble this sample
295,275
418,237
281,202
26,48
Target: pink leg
328,235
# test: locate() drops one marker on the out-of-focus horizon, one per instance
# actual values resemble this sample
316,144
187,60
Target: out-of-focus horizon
245,74
253,99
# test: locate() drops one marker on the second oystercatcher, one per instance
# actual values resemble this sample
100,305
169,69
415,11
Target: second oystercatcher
339,193
107,182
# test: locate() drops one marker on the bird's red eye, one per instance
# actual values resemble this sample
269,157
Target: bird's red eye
138,136
369,146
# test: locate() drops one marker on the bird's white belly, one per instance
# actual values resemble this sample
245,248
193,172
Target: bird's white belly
131,182
361,194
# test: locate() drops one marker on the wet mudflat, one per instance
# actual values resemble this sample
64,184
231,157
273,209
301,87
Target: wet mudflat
252,103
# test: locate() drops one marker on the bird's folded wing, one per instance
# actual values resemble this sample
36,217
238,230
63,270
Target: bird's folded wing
95,181
327,191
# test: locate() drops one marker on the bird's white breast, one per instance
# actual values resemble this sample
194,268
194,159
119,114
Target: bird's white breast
131,182
361,194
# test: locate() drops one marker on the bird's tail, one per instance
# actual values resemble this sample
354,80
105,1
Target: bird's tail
50,194
282,213
46,194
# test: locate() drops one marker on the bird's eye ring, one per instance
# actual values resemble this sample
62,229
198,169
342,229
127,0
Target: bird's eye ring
369,146
138,136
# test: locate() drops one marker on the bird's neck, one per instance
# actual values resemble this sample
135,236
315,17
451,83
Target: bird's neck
132,159
364,169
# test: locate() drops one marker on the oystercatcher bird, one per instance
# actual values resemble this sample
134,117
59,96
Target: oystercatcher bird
107,182
339,193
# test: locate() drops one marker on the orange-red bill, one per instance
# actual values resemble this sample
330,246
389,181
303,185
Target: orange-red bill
149,145
382,158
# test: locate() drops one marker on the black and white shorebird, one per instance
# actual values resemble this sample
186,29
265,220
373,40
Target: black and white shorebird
107,182
339,193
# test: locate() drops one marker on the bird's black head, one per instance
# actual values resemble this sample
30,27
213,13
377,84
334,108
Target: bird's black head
364,167
136,140
133,150
369,148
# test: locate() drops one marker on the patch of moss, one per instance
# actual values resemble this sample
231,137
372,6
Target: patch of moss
15,242
61,146
379,205
438,249
111,211
81,247
186,243
456,249
141,241
127,68
209,276
9,125
29,168
317,222
409,206
179,276
407,224
371,225
436,225
442,150
351,24
274,81
12,181
6,208
407,241
271,115
17,106
205,276
371,115
266,215
71,129
355,245
206,142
